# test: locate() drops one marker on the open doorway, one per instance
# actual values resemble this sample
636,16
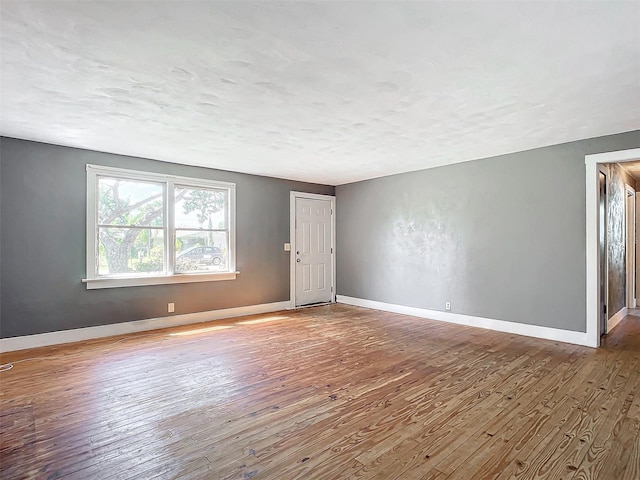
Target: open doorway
612,280
616,243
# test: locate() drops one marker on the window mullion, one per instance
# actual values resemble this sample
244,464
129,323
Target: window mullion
141,227
170,226
202,229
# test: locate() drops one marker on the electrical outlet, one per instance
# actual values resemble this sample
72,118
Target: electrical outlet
447,306
171,307
287,247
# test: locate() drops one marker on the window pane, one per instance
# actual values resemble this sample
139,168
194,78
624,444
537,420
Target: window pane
130,251
201,251
130,202
201,208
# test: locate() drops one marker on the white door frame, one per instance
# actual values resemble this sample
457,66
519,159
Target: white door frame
603,323
593,280
292,241
630,245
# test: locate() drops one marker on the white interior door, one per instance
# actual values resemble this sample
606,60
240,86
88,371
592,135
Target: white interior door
313,251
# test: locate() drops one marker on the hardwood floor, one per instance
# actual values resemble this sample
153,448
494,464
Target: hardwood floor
322,393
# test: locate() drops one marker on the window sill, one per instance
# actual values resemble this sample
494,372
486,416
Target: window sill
96,283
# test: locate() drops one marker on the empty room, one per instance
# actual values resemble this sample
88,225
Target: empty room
319,240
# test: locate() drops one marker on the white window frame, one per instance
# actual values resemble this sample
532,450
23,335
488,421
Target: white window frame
93,281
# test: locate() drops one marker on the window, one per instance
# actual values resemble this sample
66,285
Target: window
148,229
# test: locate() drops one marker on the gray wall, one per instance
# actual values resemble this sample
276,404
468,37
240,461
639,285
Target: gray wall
42,243
0,241
501,238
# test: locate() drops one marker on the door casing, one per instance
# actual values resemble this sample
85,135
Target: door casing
603,252
292,240
592,335
637,253
630,244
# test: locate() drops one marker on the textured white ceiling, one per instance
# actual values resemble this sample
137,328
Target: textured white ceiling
328,92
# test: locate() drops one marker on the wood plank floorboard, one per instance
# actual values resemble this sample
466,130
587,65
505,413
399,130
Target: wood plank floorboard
330,392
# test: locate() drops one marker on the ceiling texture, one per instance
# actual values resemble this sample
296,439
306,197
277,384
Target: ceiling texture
326,92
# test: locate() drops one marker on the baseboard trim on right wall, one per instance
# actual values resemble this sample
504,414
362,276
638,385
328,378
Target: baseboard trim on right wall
616,319
547,333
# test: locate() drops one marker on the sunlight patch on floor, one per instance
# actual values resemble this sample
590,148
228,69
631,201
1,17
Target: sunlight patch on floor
200,330
261,320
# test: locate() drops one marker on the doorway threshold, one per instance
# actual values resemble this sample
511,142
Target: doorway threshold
309,305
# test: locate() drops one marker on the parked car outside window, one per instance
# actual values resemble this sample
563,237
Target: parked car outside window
205,255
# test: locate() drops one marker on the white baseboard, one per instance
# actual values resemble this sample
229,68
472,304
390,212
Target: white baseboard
568,336
88,333
615,320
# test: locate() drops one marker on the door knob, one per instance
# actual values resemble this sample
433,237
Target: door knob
298,260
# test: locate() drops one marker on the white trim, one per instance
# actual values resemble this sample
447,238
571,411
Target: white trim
292,250
111,282
616,319
292,240
603,169
158,177
313,196
231,211
548,333
92,221
88,333
618,156
591,180
630,245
